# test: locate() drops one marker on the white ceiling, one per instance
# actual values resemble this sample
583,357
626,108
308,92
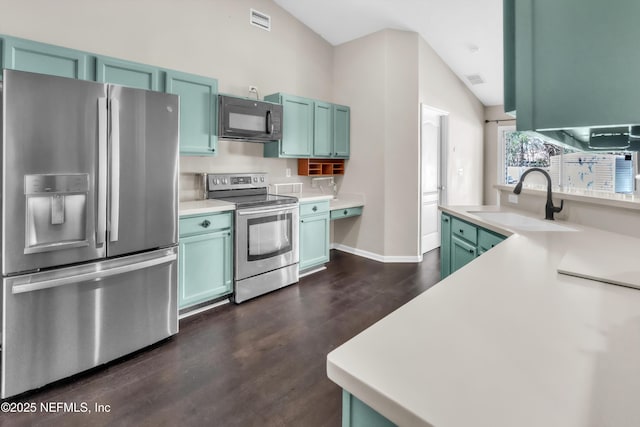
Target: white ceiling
467,34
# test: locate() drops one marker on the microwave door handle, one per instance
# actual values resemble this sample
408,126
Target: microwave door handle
269,123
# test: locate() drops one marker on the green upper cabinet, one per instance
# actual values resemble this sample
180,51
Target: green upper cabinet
575,62
125,73
323,129
198,117
297,127
311,128
509,55
26,55
341,131
1,56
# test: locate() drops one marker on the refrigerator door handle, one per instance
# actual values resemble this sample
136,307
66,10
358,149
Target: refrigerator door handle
115,170
101,228
94,275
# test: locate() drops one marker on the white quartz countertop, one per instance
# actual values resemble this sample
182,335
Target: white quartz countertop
343,201
195,207
506,341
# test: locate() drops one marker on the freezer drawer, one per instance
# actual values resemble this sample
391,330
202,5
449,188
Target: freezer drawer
65,321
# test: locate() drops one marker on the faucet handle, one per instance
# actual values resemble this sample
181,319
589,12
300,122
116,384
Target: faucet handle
558,209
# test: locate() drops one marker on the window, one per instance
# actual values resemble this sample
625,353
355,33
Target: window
522,151
569,168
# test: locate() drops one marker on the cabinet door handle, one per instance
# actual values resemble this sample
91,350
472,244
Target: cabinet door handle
470,251
206,223
315,208
446,220
302,220
461,231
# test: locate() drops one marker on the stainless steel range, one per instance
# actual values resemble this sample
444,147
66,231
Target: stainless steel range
266,233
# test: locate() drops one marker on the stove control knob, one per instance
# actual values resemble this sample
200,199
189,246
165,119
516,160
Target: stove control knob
216,181
255,179
225,181
262,179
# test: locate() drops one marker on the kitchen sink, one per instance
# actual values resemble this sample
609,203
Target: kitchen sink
520,222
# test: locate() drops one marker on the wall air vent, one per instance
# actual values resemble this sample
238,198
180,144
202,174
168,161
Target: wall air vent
260,19
475,79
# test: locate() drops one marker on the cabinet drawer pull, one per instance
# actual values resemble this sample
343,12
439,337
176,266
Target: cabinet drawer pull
470,251
461,231
346,212
206,223
315,208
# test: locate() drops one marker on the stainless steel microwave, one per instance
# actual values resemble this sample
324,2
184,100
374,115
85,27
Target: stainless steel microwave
249,119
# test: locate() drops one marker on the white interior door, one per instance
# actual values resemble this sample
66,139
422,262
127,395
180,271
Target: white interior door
431,141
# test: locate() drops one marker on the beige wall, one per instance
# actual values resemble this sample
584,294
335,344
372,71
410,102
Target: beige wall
384,77
491,150
211,38
442,89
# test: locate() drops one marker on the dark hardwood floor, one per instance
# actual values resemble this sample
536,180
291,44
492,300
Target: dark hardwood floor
261,363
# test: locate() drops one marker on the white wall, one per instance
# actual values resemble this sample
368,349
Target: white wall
442,89
384,77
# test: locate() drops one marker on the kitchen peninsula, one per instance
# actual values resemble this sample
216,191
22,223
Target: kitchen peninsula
504,341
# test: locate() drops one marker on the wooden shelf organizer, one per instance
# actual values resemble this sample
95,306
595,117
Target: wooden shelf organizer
320,167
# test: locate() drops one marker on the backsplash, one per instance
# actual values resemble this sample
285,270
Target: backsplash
234,156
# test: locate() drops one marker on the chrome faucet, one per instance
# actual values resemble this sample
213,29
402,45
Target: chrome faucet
549,209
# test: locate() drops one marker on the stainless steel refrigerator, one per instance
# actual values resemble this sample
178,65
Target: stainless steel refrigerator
89,225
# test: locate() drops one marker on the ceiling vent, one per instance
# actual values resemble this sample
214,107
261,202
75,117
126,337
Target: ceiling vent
260,19
475,79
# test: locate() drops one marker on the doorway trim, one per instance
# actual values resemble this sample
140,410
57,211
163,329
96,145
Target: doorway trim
442,164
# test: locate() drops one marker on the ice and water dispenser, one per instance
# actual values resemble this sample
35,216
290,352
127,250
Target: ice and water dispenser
56,211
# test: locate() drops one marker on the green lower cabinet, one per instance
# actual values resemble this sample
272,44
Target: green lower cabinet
205,267
346,213
35,57
462,253
487,240
125,73
445,245
462,242
198,117
356,413
314,234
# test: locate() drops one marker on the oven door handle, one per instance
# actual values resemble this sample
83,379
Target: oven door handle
261,210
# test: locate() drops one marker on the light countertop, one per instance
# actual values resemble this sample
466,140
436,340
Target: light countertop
195,207
506,341
343,201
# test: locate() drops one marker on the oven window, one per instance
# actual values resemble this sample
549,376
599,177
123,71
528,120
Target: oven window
247,122
269,236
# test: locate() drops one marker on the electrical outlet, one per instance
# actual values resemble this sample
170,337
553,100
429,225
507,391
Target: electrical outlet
513,198
287,172
253,89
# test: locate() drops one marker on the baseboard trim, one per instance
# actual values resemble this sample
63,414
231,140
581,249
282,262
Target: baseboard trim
376,257
311,271
203,308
